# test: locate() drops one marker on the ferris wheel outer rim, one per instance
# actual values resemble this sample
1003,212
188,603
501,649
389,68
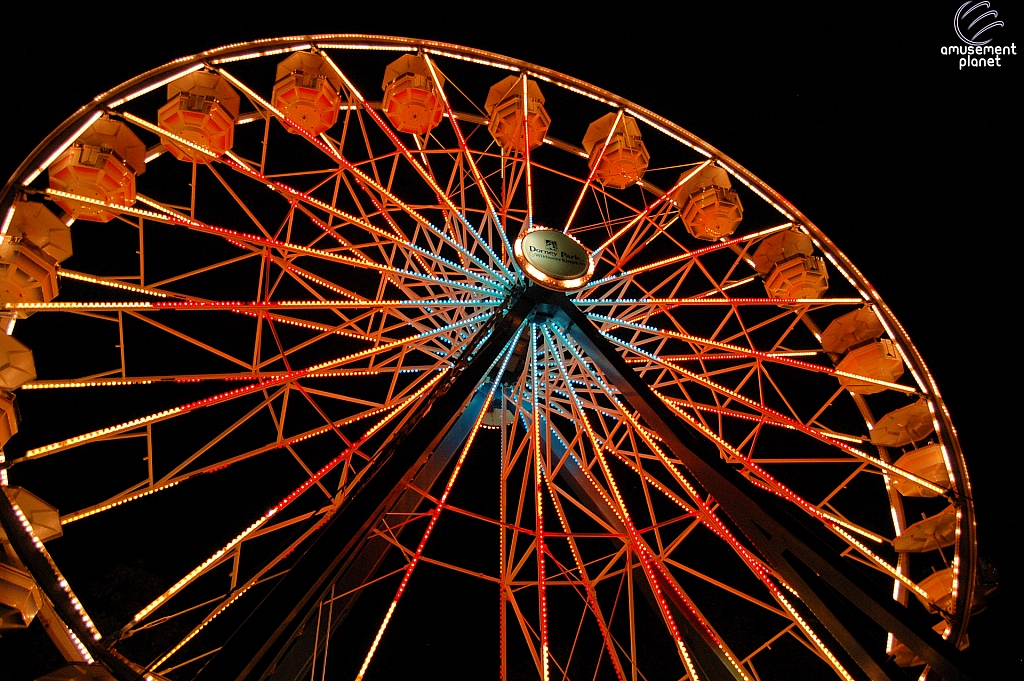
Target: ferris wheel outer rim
59,137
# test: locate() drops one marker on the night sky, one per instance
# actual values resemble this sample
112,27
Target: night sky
855,116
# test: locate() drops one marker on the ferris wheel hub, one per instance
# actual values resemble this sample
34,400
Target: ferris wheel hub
553,259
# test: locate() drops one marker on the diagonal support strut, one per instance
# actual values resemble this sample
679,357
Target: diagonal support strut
255,647
839,595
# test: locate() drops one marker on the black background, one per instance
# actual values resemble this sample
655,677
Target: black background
850,111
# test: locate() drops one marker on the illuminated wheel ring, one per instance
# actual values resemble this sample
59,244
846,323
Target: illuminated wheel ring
464,265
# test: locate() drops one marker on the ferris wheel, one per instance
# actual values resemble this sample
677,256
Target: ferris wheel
387,356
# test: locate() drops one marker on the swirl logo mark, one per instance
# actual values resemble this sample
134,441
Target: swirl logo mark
964,14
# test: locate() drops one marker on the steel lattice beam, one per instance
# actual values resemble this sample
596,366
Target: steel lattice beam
48,580
261,640
297,660
709,659
838,594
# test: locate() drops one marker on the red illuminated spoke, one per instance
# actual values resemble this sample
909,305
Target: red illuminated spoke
708,518
195,305
698,345
283,504
359,260
538,472
731,395
688,270
642,218
434,514
442,195
307,199
78,440
590,594
478,179
593,172
837,523
363,178
237,589
529,184
684,256
643,553
416,556
60,383
186,471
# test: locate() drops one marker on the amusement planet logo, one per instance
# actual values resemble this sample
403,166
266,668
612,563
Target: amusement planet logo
976,24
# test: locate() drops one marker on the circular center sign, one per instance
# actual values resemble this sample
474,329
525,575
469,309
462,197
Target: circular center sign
554,259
